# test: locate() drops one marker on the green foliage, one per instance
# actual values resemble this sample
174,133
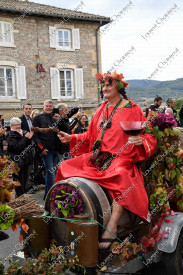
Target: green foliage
158,198
6,217
179,103
52,262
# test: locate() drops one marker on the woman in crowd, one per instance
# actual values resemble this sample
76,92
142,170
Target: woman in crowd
34,113
19,149
81,128
103,158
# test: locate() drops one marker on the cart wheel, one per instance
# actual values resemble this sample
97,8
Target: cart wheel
174,261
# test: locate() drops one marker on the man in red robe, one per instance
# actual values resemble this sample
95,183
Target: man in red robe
122,177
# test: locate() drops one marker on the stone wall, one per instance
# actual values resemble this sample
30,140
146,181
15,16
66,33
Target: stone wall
31,38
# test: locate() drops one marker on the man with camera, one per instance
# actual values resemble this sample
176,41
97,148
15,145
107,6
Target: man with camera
66,126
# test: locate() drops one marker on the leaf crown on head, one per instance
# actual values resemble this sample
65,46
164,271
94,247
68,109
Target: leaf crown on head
119,77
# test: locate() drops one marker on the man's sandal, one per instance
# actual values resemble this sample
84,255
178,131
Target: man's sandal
101,240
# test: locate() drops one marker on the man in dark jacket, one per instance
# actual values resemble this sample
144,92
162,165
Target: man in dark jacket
25,118
63,124
181,116
20,150
2,132
157,103
47,143
171,102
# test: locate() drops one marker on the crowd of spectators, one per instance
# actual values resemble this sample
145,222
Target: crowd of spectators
169,108
32,143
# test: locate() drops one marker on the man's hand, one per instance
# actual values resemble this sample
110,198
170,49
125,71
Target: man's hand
64,137
44,152
29,134
137,140
2,131
78,115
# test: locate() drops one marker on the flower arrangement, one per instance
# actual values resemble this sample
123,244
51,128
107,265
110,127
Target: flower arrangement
163,121
163,183
118,77
66,201
167,162
52,261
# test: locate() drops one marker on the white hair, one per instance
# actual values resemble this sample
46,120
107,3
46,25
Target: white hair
61,106
169,111
15,120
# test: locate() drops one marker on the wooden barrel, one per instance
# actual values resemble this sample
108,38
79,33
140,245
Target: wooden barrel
97,204
36,241
82,240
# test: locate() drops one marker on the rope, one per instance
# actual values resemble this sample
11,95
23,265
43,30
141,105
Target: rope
91,221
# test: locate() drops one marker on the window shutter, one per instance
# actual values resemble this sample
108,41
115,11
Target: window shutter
75,39
53,33
1,32
21,82
55,83
7,33
79,83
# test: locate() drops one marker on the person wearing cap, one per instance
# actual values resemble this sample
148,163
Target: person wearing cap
102,156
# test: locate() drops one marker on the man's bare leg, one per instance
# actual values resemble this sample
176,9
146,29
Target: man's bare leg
112,225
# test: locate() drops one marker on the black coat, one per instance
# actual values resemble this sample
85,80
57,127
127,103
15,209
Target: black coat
20,148
47,140
24,124
79,130
181,116
65,126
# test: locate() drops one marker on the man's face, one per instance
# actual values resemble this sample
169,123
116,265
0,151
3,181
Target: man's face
64,112
159,103
48,108
173,103
110,90
27,110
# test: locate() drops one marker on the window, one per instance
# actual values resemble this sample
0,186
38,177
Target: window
64,40
66,83
7,83
6,38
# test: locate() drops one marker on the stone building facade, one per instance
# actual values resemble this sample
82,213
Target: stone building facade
67,45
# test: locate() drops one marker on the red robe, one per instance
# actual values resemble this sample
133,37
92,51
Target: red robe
122,178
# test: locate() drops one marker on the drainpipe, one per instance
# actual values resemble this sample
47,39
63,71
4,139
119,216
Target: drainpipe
97,49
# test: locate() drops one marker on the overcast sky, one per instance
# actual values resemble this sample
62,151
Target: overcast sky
150,31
